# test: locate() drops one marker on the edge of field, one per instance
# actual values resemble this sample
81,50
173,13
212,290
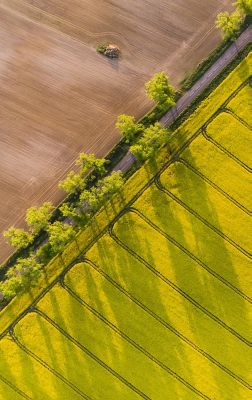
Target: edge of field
133,188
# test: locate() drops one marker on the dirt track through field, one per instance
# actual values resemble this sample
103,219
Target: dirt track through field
59,97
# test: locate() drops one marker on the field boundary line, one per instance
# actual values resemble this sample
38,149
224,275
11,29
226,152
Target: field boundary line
229,110
199,217
179,290
45,365
224,150
85,350
14,388
153,315
126,338
187,164
191,255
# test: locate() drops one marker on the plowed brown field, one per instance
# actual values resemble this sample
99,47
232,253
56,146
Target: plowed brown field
59,97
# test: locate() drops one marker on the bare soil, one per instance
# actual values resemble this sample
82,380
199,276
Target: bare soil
59,97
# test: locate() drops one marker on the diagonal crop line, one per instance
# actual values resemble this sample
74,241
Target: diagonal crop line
229,110
131,341
13,387
90,354
45,365
224,150
235,92
191,255
179,290
217,188
198,216
153,315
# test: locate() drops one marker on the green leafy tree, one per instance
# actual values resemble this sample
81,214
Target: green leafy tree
128,127
73,183
94,198
68,210
59,234
21,276
111,184
76,214
160,90
37,218
244,6
153,137
88,162
229,23
90,199
18,238
45,253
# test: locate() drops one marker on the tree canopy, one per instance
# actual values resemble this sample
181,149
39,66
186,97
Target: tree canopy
95,197
37,218
87,162
72,183
21,276
244,6
153,137
59,235
128,127
229,23
17,237
159,89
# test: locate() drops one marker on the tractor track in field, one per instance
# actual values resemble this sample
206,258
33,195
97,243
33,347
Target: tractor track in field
187,164
202,219
149,312
224,150
178,289
135,345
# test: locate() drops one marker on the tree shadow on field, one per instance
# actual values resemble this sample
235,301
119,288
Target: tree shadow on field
134,277
87,330
245,72
73,364
59,355
114,63
131,318
162,211
26,378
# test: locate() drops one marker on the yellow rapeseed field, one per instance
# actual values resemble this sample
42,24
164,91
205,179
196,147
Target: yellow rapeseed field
153,299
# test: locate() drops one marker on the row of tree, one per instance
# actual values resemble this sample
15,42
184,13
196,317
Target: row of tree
230,23
27,270
144,142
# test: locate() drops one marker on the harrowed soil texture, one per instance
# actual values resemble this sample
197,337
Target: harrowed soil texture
59,97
